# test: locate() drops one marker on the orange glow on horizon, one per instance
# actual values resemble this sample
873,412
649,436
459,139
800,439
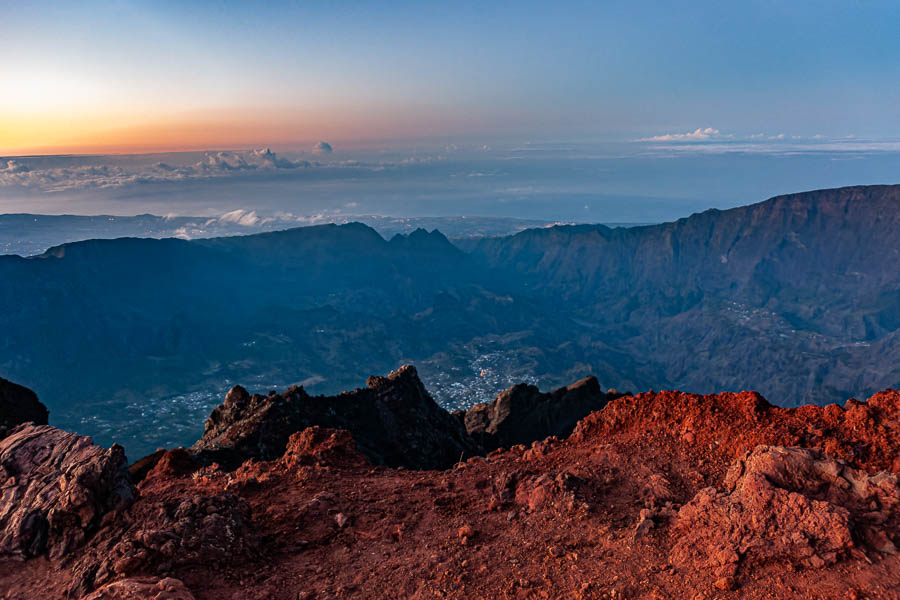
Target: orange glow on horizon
223,129
91,136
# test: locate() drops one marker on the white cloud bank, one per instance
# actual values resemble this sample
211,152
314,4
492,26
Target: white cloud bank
60,176
699,134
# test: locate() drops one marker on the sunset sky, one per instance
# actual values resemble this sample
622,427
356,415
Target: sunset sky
133,76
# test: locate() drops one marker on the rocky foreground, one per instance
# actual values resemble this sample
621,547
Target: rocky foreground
378,493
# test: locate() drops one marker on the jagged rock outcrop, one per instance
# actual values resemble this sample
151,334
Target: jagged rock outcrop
394,422
56,489
143,588
788,504
522,414
19,405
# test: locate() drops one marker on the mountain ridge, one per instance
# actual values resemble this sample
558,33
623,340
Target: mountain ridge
797,296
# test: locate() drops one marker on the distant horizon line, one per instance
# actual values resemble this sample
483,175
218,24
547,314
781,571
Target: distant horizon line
678,140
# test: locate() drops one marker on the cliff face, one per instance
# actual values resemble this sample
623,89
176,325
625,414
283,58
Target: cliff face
830,246
735,299
659,495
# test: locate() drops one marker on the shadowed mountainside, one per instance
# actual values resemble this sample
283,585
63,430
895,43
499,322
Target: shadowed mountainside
798,296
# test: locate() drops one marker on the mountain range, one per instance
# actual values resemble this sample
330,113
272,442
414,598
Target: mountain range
27,234
134,340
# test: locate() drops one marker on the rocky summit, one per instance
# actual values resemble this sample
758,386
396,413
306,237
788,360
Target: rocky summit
523,414
657,495
393,421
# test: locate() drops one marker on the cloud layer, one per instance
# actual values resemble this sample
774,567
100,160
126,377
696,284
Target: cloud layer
698,134
59,176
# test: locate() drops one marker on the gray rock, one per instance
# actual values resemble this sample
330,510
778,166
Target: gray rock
55,488
394,422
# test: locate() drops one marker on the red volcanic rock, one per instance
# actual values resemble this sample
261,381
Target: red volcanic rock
535,493
19,405
139,468
322,446
723,427
142,588
655,496
174,531
788,505
56,488
172,463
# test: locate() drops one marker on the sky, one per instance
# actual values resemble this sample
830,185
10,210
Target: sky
131,76
636,111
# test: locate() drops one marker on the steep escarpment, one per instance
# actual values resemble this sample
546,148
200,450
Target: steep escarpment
797,296
824,245
658,495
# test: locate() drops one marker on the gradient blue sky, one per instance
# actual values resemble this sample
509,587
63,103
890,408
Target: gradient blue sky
100,76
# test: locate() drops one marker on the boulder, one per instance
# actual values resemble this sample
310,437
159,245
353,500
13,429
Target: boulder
143,588
789,505
166,532
324,447
55,488
188,531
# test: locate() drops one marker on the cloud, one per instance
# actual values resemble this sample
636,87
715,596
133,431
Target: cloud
323,148
233,222
245,218
13,166
698,134
106,172
254,159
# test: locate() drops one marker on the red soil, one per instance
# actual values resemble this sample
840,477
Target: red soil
621,509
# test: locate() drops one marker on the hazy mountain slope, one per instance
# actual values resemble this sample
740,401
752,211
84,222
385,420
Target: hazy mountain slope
842,243
139,323
28,234
789,295
797,297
